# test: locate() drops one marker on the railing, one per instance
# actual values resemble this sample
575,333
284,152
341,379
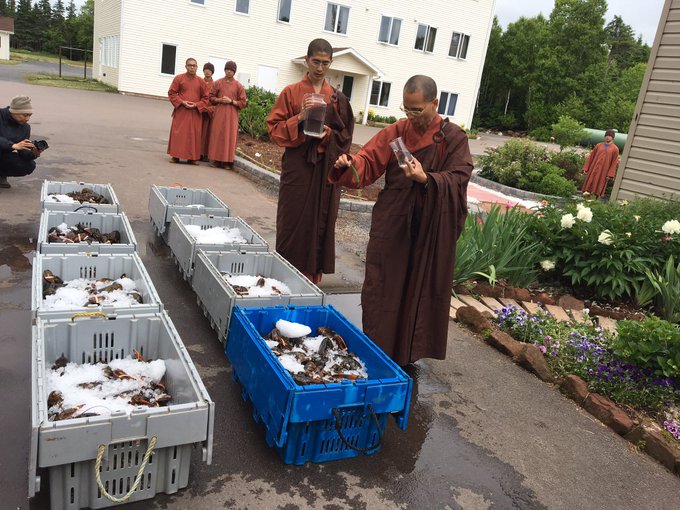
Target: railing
86,53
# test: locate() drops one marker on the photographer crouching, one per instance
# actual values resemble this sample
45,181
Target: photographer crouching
17,151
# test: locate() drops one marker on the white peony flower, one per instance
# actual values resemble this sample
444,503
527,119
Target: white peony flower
671,227
637,218
585,214
547,265
605,238
629,234
580,206
567,221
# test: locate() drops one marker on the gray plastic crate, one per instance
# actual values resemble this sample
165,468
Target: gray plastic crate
69,448
62,188
104,222
165,201
217,298
71,267
184,246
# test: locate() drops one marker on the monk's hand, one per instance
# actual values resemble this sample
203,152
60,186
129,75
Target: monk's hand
414,171
343,161
227,100
23,145
326,132
188,104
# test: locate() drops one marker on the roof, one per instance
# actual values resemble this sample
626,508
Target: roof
338,52
6,24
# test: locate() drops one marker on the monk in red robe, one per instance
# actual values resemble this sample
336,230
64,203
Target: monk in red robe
208,71
416,222
601,165
308,202
229,97
188,94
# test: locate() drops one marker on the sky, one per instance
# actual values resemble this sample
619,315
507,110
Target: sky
642,15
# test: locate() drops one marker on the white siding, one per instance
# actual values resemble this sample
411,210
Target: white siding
107,23
259,39
4,45
650,164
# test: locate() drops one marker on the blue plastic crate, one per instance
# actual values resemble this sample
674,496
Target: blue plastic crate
321,422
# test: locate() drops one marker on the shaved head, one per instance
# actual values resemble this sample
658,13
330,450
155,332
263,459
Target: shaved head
319,46
424,84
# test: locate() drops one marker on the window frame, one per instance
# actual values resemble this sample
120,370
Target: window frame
445,107
247,13
391,27
463,41
200,3
174,66
426,40
380,93
290,12
337,20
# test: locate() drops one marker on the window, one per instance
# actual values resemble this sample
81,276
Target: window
168,56
380,93
284,10
109,50
337,17
242,6
199,2
459,45
425,38
447,103
389,30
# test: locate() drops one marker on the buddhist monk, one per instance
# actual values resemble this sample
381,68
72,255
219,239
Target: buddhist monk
208,71
188,94
308,202
601,165
229,97
416,222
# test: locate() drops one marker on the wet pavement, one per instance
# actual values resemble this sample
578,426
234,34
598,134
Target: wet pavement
483,433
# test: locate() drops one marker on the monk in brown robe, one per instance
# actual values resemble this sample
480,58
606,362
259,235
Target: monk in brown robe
208,71
229,97
601,165
188,94
416,222
308,203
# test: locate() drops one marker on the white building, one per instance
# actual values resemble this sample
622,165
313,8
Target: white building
378,44
6,29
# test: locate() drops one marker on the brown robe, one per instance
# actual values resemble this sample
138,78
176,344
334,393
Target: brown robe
600,165
224,127
206,119
308,203
412,246
187,124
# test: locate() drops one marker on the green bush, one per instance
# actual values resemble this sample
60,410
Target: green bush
556,185
571,162
253,118
499,245
568,131
652,344
605,249
507,163
542,134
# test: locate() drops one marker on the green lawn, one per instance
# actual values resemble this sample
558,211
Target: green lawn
17,56
68,82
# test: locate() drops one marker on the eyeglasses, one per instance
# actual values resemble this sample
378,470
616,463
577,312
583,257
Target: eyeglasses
416,112
319,63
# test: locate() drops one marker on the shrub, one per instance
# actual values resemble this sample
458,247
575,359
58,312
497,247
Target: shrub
652,344
570,161
253,118
556,185
498,245
541,134
507,163
568,131
663,289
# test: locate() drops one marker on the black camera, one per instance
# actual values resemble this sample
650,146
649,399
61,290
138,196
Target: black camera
41,145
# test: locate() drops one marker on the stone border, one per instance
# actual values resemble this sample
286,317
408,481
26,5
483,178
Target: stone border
646,436
258,174
512,192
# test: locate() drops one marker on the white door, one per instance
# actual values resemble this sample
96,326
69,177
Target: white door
218,62
267,77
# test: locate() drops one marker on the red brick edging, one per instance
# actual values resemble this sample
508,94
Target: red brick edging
647,435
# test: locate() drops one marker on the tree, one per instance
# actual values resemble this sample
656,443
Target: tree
24,30
568,131
624,49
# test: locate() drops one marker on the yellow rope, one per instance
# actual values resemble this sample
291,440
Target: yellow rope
88,314
98,465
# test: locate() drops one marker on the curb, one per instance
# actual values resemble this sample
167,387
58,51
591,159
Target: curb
260,175
512,192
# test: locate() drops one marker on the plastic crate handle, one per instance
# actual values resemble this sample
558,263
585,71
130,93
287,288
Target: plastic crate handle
85,207
89,314
336,412
98,466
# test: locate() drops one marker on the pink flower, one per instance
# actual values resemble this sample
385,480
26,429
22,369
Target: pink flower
542,349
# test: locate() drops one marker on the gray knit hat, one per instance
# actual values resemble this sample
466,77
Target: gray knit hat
21,104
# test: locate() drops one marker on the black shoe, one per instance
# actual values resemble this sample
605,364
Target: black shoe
4,183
